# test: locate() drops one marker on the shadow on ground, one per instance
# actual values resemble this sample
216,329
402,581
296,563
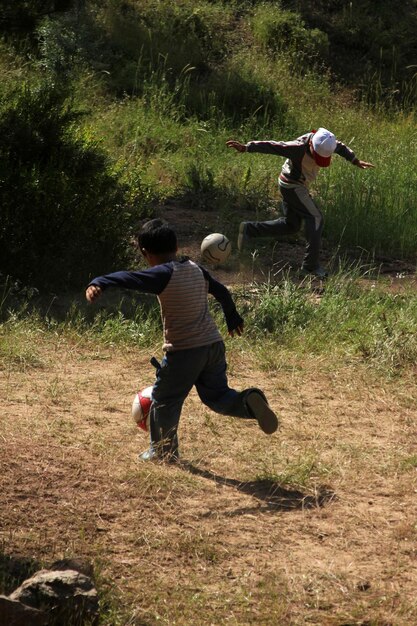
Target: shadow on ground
14,569
272,495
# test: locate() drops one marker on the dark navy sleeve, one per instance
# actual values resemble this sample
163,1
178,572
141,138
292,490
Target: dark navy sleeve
152,280
292,150
223,296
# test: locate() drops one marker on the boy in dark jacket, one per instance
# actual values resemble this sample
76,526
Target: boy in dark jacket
194,349
304,158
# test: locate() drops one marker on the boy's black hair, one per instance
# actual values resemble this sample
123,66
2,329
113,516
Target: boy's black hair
157,237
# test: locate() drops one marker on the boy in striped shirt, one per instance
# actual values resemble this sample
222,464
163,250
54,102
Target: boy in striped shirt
194,349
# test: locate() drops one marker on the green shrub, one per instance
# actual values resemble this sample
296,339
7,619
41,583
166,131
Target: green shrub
235,92
60,46
20,18
281,309
65,212
278,30
146,36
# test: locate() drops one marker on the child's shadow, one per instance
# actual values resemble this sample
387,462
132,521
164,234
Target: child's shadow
271,494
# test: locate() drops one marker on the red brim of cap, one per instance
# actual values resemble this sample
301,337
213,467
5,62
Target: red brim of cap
320,160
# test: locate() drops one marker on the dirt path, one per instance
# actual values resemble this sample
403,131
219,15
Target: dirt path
263,261
314,525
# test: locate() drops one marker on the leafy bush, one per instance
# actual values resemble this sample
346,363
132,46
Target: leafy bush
59,45
278,30
237,93
65,212
22,16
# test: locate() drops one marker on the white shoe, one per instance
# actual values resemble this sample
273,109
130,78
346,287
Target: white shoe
152,455
319,272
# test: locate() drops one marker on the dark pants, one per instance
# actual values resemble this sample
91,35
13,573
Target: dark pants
205,367
297,205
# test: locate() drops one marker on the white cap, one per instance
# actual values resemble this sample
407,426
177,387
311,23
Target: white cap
324,144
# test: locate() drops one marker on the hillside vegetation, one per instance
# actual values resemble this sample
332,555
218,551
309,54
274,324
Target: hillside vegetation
108,109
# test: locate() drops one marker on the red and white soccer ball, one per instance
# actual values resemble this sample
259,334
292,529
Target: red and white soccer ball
141,406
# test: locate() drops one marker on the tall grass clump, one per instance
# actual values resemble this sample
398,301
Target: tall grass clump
280,310
131,324
236,92
374,210
279,31
20,330
349,320
19,339
146,35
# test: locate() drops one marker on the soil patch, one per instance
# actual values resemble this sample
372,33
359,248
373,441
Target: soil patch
315,524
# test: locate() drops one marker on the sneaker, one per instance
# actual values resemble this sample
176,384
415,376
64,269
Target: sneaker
261,411
319,272
242,236
153,455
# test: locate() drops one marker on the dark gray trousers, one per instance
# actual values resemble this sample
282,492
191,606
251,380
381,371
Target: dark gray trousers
205,367
297,205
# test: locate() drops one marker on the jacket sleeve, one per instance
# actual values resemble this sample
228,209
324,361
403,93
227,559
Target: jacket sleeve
223,296
287,149
344,151
152,280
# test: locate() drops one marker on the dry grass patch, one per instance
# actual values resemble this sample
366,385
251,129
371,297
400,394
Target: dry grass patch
314,525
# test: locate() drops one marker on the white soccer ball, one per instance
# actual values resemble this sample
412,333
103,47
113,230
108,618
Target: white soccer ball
215,248
141,406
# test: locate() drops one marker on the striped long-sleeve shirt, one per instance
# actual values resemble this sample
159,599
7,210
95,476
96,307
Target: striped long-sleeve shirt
181,287
300,167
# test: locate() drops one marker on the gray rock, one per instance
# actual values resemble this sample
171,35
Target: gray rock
14,613
77,563
68,597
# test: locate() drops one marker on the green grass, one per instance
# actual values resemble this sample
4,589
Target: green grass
160,87
355,318
374,210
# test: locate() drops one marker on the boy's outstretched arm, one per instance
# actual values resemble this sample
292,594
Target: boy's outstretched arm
233,320
153,280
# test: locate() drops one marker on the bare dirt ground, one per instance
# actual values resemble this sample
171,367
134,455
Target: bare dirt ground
262,261
315,524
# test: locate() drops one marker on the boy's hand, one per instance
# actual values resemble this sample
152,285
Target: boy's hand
362,164
238,330
240,147
92,293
